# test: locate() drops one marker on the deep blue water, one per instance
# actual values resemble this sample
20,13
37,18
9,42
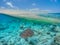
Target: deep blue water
51,15
10,30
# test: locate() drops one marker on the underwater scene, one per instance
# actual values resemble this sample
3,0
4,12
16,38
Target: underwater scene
20,31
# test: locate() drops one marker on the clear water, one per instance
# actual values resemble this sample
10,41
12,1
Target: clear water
10,30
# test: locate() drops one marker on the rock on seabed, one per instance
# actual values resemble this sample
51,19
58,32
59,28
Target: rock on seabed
27,33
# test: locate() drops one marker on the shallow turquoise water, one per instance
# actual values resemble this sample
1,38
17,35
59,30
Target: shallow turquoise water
10,30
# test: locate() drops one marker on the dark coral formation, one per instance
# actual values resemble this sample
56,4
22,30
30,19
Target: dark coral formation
56,40
2,27
27,33
53,29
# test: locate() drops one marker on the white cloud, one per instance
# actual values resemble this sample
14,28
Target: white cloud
10,4
38,10
2,7
33,4
53,0
34,9
4,0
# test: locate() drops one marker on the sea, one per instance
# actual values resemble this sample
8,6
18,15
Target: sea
11,29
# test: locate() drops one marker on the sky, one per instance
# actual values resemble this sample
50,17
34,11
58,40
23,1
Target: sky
35,5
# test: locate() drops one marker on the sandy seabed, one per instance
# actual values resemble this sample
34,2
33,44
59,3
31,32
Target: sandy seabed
12,27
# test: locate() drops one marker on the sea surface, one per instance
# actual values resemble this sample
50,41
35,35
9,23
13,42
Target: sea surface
11,29
51,15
